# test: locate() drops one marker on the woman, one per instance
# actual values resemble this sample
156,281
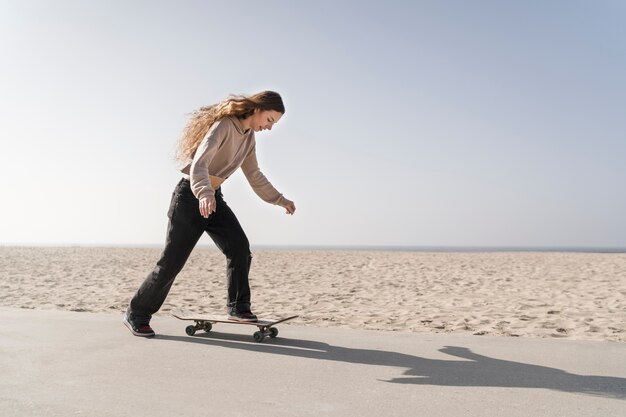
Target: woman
217,140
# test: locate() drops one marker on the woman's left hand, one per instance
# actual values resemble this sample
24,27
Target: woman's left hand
207,206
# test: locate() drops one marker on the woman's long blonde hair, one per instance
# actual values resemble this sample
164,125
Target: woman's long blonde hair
202,119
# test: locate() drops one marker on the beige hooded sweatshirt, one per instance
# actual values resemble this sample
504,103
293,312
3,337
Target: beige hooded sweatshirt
224,149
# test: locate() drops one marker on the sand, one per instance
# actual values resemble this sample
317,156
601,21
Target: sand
579,296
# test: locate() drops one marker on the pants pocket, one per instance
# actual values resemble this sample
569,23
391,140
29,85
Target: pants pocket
173,204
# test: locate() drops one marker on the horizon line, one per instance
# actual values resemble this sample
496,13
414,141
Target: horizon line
393,248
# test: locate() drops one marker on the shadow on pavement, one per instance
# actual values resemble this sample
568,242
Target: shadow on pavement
474,370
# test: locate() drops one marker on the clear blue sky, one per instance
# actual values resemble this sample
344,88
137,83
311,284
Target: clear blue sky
421,123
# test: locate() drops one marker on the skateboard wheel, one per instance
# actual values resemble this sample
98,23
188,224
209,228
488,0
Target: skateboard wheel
191,330
258,337
273,332
207,327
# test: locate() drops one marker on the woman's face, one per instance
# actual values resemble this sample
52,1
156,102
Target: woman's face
264,119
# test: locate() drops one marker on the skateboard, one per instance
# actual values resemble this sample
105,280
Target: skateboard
266,327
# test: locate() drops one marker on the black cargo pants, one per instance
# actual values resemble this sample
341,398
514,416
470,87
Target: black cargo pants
184,229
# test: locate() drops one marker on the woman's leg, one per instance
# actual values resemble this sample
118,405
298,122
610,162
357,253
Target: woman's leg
226,232
183,231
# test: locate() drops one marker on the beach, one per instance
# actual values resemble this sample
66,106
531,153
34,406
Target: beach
578,296
379,333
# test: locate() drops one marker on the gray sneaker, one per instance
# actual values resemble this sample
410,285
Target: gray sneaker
246,316
136,328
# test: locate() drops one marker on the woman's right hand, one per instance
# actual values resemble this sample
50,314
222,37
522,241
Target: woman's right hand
207,206
289,206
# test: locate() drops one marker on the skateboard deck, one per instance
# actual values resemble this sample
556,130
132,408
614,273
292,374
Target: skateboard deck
265,326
